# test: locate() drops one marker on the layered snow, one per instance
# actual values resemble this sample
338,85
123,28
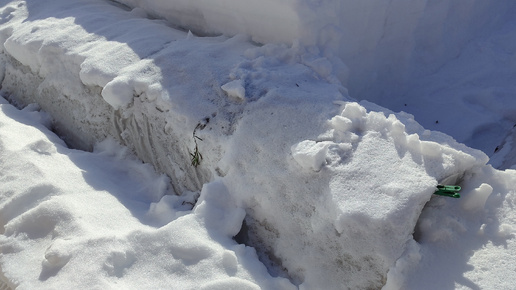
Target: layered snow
268,174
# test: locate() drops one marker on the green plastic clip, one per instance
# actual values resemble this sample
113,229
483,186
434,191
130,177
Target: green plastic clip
448,190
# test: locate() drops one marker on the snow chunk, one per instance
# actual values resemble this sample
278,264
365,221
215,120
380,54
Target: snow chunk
218,211
118,92
364,184
341,123
354,111
235,89
310,154
476,199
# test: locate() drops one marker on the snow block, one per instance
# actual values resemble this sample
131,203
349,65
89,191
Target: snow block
353,216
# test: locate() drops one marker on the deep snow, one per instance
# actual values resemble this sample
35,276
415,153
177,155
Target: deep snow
325,192
445,61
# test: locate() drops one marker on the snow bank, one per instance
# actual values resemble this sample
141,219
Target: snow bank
103,76
285,161
346,28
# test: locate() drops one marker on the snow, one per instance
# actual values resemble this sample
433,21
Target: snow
461,242
77,219
438,60
235,89
182,154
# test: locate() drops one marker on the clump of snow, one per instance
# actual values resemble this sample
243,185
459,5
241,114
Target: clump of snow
476,199
235,89
310,154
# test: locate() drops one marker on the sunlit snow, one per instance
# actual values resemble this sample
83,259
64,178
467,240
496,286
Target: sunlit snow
282,144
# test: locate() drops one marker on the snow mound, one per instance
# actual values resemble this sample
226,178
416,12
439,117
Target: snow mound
349,196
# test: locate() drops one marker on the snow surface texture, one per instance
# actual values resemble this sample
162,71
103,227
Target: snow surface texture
79,220
290,164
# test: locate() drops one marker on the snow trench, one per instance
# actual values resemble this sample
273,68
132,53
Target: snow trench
283,145
437,60
393,53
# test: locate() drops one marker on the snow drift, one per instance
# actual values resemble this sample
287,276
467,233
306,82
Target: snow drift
279,156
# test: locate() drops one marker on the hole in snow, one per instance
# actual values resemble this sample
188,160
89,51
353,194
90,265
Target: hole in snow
247,236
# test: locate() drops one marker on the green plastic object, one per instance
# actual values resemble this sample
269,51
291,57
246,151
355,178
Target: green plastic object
448,190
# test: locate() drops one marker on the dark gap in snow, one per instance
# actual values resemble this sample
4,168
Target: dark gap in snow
243,236
119,5
55,129
435,203
45,118
417,234
272,263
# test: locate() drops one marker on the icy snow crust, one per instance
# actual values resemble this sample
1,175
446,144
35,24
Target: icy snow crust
329,190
